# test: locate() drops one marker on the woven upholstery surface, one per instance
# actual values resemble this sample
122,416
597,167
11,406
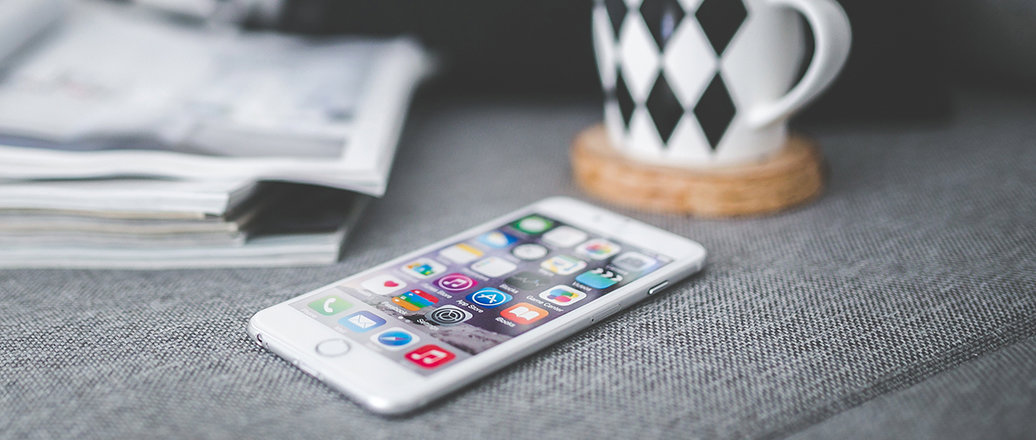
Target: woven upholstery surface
991,396
920,257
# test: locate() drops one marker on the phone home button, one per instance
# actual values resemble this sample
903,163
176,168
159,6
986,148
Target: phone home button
333,347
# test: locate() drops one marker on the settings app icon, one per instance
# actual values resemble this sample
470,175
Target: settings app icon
448,315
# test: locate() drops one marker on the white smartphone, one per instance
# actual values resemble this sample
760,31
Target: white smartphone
411,330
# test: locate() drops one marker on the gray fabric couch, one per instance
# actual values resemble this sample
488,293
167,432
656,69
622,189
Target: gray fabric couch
901,304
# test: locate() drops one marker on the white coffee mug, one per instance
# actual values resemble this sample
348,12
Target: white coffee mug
705,83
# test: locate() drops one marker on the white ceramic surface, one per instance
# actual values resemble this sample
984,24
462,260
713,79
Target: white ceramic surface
706,83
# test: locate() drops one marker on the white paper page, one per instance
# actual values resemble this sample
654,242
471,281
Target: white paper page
131,94
128,198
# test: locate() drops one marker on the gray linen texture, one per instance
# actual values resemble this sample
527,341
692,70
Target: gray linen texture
920,256
990,397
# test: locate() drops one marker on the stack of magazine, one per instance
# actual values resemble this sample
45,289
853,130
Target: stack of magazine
132,138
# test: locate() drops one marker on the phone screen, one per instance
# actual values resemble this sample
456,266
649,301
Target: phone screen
454,302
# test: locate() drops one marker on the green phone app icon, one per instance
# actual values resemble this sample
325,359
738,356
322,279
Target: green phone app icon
329,305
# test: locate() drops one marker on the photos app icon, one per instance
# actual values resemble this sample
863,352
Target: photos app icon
598,249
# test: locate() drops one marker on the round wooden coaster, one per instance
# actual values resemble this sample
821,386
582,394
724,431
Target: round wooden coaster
791,177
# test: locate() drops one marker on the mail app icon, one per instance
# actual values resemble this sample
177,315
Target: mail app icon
362,321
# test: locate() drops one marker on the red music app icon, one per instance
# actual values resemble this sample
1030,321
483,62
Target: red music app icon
430,356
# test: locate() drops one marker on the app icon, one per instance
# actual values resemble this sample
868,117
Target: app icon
329,305
529,251
383,284
395,338
564,236
527,281
533,224
362,321
634,261
424,268
562,295
415,300
455,282
489,297
430,356
563,264
448,315
461,253
494,267
598,249
524,313
599,278
496,239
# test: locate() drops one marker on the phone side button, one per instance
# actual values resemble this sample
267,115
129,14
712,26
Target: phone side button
604,314
658,287
308,370
333,347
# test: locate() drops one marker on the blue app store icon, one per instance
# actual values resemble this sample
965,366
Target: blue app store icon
489,297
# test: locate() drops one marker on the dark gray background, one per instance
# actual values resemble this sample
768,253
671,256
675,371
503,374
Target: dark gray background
906,53
902,303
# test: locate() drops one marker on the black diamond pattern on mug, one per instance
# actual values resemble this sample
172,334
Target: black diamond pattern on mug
715,111
616,13
622,94
662,18
720,19
665,109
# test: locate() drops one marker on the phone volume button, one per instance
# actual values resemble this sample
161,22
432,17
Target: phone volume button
308,370
658,287
602,315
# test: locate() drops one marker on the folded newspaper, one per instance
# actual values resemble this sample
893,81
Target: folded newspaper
300,225
132,138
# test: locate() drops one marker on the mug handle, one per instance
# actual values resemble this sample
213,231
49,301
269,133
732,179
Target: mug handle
833,37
